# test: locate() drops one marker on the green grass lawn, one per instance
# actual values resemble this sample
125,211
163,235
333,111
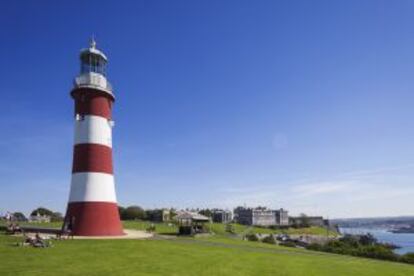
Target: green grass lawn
160,228
220,228
217,228
181,257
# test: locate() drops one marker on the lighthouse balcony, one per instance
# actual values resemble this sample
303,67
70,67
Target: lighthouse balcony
93,80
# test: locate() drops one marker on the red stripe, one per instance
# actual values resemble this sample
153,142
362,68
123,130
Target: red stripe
92,102
94,219
92,158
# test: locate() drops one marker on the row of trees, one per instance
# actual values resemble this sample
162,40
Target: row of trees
54,216
136,212
129,213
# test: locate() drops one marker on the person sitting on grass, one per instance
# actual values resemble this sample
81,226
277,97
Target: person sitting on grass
39,241
27,240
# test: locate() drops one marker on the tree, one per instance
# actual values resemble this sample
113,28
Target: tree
42,211
206,212
19,216
133,212
121,211
56,216
367,239
173,213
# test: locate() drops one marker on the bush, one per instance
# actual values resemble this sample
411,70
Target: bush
133,212
315,247
151,228
408,258
269,239
377,252
252,237
288,244
121,210
230,228
355,245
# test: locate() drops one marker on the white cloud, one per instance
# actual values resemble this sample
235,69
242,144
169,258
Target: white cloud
379,192
322,188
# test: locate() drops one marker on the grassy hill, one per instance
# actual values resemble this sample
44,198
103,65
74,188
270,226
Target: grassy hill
216,255
183,256
217,228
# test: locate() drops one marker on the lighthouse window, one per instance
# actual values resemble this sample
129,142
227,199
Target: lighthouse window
93,63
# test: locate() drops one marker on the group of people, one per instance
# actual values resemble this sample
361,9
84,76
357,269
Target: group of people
13,228
36,241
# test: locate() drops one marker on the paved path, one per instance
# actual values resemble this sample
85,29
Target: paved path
129,234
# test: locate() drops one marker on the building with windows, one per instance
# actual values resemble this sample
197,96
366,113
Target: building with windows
261,216
221,216
308,221
282,217
243,215
158,215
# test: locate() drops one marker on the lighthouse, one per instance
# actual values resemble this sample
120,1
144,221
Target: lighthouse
92,209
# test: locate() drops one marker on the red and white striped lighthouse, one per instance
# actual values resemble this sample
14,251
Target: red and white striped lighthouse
92,208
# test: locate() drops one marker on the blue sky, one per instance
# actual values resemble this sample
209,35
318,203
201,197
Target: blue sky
306,105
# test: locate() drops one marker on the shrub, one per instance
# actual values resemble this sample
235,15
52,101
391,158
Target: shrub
288,244
315,246
355,245
151,228
230,228
377,251
269,239
408,258
368,239
252,237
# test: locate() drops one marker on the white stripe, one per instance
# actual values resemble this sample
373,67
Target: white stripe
92,186
91,129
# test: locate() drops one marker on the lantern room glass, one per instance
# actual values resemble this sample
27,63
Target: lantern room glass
93,63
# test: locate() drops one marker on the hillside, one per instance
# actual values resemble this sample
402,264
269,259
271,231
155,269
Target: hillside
217,255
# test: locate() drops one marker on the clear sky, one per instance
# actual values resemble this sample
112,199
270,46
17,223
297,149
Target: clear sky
306,105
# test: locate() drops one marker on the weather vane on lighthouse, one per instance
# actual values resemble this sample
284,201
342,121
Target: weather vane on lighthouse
92,209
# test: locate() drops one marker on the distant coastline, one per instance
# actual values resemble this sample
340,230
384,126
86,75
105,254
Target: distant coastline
402,230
